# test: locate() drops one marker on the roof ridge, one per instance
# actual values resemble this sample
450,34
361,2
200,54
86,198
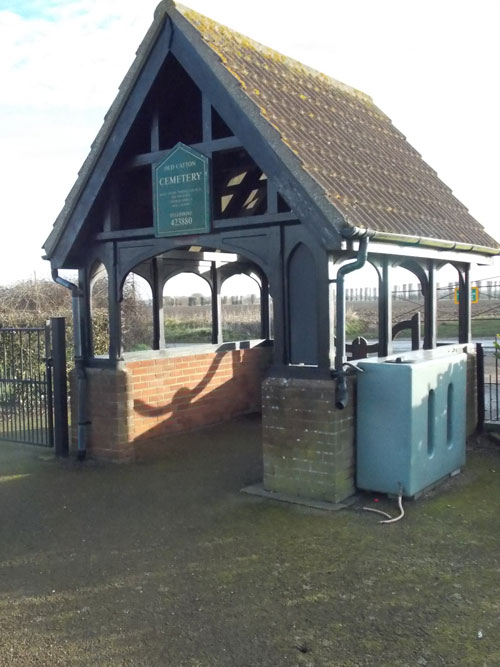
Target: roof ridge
193,16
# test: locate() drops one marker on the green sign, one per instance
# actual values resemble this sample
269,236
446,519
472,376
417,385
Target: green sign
181,193
474,295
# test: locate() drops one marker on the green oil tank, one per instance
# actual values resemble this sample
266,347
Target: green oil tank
410,420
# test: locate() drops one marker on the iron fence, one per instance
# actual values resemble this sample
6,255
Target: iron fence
491,385
26,410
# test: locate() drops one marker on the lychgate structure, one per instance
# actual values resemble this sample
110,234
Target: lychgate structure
220,156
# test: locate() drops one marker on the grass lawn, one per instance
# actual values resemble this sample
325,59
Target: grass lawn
177,331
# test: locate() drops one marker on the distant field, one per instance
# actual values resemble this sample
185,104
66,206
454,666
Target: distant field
446,329
192,324
485,322
481,328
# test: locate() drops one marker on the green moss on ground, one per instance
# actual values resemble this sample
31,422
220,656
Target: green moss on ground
167,563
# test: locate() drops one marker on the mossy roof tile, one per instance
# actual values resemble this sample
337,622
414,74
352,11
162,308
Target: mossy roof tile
337,136
364,165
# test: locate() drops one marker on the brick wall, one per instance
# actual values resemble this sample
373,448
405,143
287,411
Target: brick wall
173,395
134,408
308,443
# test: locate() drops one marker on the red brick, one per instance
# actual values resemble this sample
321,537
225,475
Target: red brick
170,395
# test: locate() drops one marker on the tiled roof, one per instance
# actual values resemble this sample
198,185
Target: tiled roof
364,165
343,145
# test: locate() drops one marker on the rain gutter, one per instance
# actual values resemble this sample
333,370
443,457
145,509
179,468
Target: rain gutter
350,232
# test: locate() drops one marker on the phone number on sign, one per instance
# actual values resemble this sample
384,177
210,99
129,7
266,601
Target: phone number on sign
181,222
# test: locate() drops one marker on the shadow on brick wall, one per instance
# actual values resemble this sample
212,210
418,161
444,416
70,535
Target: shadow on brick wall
186,393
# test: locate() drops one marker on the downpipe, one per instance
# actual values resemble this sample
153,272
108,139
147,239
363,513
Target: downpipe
81,375
341,395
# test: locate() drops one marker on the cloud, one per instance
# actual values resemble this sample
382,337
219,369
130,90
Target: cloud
60,67
430,66
70,55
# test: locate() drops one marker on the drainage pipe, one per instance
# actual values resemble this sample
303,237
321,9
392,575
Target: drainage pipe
81,375
340,355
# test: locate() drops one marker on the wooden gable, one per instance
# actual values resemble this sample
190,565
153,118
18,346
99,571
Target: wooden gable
176,91
334,158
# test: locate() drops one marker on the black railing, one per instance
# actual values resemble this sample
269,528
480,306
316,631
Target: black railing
491,385
360,348
26,411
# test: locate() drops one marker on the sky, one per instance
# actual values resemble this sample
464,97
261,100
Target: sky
430,65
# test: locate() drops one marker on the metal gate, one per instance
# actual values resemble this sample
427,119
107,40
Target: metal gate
26,402
489,373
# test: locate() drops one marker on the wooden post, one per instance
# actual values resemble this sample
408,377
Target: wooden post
155,132
430,309
217,338
278,288
385,311
206,118
112,216
464,326
272,198
325,337
114,310
158,316
415,331
332,302
264,309
61,439
480,386
86,320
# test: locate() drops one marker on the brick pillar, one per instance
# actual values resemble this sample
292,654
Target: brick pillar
110,406
308,444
